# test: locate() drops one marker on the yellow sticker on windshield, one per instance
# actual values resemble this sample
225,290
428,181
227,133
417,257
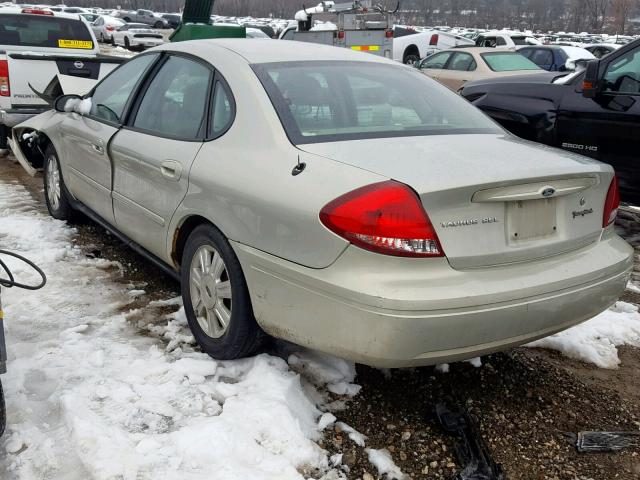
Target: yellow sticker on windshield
87,44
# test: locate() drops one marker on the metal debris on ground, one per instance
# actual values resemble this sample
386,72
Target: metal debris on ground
604,441
471,450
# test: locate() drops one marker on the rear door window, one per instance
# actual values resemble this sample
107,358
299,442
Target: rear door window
44,31
462,62
175,103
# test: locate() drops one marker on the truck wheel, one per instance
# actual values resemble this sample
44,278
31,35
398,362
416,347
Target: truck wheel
55,193
411,58
216,298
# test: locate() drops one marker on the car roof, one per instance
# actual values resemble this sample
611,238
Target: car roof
259,51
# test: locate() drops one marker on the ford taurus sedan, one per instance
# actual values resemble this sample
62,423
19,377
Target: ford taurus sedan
337,200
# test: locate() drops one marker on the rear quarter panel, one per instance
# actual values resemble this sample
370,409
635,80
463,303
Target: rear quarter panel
242,182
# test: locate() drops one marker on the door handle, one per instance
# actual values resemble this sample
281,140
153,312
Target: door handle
171,169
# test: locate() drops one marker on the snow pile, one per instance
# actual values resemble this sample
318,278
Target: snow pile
89,396
381,459
596,340
78,105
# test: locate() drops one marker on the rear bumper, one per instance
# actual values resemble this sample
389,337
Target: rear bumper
390,312
13,117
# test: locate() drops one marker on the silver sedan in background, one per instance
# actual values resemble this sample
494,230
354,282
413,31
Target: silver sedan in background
337,200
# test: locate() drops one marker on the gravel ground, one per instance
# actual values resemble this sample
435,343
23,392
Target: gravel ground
525,400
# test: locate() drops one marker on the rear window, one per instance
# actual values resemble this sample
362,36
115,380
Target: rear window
520,40
44,31
508,62
328,101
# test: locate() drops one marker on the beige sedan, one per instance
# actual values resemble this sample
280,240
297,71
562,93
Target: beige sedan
453,68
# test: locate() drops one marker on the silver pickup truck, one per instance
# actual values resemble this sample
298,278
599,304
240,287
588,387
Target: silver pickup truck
143,16
37,49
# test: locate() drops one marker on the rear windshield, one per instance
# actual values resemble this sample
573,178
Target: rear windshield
330,101
44,31
508,62
520,40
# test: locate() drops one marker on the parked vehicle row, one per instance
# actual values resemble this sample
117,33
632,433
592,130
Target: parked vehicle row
406,234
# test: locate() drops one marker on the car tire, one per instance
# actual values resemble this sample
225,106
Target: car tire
222,320
55,192
158,25
127,44
411,58
102,40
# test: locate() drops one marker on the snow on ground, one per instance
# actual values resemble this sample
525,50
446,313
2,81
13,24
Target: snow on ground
90,395
383,462
596,340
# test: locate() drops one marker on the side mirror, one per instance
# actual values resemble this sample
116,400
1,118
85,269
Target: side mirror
61,104
591,82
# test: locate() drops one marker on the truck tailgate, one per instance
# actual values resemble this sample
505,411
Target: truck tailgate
39,69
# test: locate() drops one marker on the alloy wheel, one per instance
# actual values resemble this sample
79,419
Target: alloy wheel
53,182
210,289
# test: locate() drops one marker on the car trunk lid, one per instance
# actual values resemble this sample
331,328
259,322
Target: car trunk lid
492,199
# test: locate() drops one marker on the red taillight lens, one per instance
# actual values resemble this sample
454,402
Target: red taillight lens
5,90
611,204
341,34
37,11
385,217
110,27
434,39
389,34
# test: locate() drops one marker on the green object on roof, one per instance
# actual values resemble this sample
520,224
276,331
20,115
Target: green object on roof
197,11
196,24
202,31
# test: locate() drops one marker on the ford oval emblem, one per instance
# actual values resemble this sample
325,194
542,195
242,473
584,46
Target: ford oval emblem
548,192
78,64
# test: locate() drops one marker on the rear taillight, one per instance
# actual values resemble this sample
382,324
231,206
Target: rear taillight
389,34
434,40
37,11
5,90
385,217
110,27
611,204
341,35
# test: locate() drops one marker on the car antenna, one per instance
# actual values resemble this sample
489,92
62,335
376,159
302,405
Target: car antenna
299,168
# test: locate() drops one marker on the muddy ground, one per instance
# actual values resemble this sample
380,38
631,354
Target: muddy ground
525,400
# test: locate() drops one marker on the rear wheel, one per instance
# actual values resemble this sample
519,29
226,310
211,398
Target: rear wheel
216,298
411,58
55,193
102,40
127,44
158,25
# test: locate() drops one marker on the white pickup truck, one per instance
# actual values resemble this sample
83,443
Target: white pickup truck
38,50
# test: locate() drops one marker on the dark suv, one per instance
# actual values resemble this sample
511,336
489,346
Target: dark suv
595,112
